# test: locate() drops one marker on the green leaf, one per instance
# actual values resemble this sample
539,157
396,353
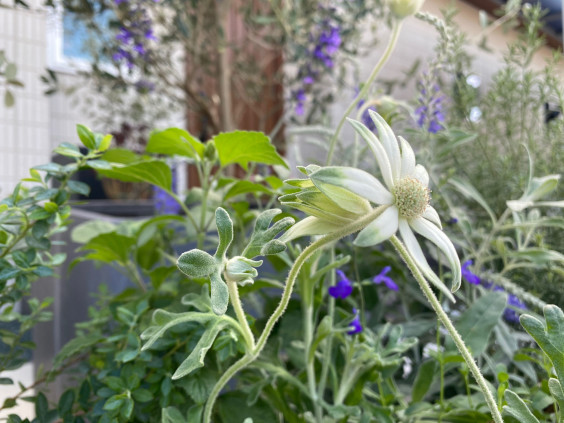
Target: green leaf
65,402
10,71
67,151
9,99
199,386
142,395
556,392
242,147
549,338
164,320
105,143
78,187
41,406
86,231
172,415
224,230
245,187
262,240
468,190
538,256
423,380
154,172
478,321
196,358
517,408
76,346
219,294
109,247
86,137
174,141
196,263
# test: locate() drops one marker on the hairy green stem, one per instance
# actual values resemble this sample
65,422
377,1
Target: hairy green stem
239,312
310,364
351,228
383,59
443,317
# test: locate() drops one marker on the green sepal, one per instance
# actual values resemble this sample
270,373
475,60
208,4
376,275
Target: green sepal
242,270
197,264
224,230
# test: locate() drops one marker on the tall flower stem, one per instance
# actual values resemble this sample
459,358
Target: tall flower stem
248,358
383,59
443,317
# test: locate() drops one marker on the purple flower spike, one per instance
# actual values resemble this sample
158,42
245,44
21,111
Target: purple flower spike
468,275
355,325
381,277
343,288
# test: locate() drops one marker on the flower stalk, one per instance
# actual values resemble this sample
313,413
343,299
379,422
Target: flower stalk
443,317
364,91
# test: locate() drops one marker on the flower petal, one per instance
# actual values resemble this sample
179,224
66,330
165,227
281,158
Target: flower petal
436,236
311,225
380,229
354,180
388,139
431,214
421,175
417,254
378,150
407,159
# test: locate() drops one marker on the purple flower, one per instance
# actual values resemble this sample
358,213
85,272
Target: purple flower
308,80
429,114
452,221
468,274
164,202
118,2
300,97
381,277
343,288
149,35
139,48
510,314
355,325
124,36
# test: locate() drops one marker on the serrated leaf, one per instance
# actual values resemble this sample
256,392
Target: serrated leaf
242,147
109,247
154,172
175,141
245,187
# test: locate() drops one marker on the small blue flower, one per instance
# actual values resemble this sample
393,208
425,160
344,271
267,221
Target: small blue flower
381,277
355,325
468,275
343,288
430,114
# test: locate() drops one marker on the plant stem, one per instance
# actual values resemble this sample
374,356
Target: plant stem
443,317
236,303
310,364
329,341
383,59
351,228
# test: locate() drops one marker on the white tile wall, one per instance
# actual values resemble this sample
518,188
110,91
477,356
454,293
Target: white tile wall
24,128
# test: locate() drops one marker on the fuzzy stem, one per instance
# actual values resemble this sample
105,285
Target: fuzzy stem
240,313
383,59
351,228
443,317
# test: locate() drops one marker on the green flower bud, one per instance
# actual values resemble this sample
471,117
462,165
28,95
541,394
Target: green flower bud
405,8
241,270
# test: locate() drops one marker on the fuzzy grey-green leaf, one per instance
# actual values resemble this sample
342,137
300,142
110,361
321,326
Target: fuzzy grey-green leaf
224,230
219,294
197,263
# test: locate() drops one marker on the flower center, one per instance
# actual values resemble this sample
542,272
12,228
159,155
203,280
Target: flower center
411,198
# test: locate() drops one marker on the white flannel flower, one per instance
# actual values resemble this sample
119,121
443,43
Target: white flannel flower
405,194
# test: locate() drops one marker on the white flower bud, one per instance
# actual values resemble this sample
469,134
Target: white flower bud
241,270
405,8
